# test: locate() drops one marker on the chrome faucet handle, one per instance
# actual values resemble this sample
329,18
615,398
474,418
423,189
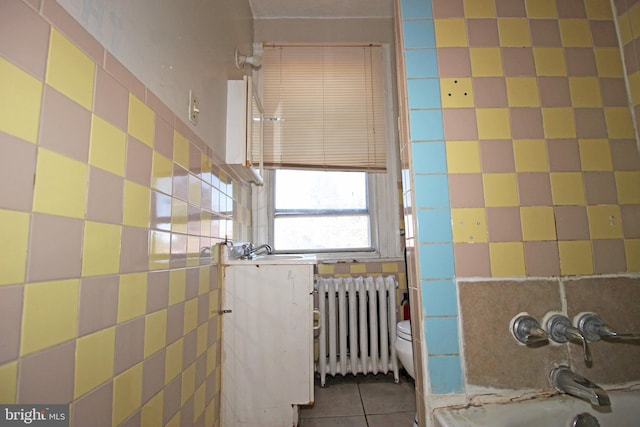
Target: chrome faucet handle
560,330
527,330
594,328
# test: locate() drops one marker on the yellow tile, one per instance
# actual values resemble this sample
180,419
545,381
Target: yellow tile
161,173
479,9
575,257
522,92
595,155
194,190
174,422
49,315
605,222
598,9
608,62
9,383
585,92
137,199
575,33
180,149
188,383
486,61
549,61
209,414
325,269
179,216
94,360
456,92
541,9
127,393
211,358
132,296
152,411
60,185
493,123
173,361
626,31
538,223
357,268
567,188
390,267
108,146
632,253
514,32
69,70
14,243
190,315
177,286
507,259
214,303
20,102
463,156
155,332
634,87
628,187
619,123
500,189
203,280
201,343
633,16
159,249
530,155
142,123
469,225
451,32
101,249
558,123
199,401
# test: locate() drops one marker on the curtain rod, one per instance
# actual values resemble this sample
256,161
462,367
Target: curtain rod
273,44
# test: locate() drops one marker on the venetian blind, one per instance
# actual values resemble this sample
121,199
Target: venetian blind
324,107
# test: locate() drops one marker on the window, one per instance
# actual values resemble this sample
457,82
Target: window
321,211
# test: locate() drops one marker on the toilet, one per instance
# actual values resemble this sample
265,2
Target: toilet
404,350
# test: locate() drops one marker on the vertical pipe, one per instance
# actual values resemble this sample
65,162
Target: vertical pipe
322,336
353,328
384,326
391,285
342,326
373,297
332,326
362,307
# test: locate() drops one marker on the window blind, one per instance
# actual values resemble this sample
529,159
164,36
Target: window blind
324,107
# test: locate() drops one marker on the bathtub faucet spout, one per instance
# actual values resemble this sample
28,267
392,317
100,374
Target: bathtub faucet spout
565,380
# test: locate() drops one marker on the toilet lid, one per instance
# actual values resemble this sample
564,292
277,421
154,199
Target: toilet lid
403,329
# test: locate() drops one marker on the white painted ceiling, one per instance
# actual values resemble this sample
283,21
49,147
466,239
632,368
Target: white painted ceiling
265,9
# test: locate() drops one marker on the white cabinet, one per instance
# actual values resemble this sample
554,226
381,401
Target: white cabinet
267,365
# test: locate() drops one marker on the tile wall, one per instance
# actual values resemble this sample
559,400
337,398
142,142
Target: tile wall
521,154
109,205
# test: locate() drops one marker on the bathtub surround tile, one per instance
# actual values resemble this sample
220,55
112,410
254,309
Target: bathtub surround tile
135,250
441,335
446,374
472,260
17,165
111,99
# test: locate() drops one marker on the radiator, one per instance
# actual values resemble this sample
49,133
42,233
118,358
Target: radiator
357,326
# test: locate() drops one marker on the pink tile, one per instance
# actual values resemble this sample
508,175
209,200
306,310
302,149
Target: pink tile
64,22
195,159
134,256
614,92
10,322
609,256
465,190
163,142
483,32
603,33
157,291
554,91
138,161
541,259
24,37
185,129
175,322
448,9
203,309
180,182
545,32
201,370
580,61
518,61
159,107
620,6
497,156
65,125
213,337
100,207
94,408
490,92
17,166
193,218
454,62
472,259
511,9
129,344
160,211
571,9
600,188
133,420
534,189
111,100
189,349
624,154
152,375
65,261
460,124
526,123
193,280
631,62
504,224
124,76
564,155
630,221
172,399
571,222
98,307
590,123
178,257
186,413
47,376
205,199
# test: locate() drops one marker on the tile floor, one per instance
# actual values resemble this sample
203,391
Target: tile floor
361,401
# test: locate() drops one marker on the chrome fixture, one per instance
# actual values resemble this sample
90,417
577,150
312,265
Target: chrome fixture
560,330
585,420
594,328
565,380
254,60
249,251
527,330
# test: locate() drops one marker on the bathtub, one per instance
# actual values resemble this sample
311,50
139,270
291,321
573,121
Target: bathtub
556,411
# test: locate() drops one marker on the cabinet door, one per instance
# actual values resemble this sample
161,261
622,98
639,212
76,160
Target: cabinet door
268,342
